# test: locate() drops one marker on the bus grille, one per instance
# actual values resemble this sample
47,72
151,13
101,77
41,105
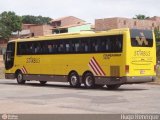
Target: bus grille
115,71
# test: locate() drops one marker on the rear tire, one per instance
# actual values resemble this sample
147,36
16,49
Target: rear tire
20,79
43,82
113,87
74,80
89,81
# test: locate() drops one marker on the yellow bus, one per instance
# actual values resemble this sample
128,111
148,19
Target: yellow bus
111,58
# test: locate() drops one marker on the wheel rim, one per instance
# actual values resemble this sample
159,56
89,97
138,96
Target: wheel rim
19,77
89,81
74,80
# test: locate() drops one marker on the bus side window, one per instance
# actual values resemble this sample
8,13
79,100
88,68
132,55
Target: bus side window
98,45
31,48
50,48
61,47
38,48
93,45
82,46
54,47
118,44
107,45
76,47
103,45
67,47
44,48
88,45
72,47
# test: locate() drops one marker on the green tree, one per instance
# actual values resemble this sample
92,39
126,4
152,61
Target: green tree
30,19
157,33
140,17
9,22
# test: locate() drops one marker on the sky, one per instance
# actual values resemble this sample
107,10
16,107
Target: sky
88,10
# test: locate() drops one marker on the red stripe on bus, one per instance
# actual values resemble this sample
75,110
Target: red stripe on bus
96,66
22,70
99,66
93,68
25,69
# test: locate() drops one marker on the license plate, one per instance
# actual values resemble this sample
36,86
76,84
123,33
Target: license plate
142,71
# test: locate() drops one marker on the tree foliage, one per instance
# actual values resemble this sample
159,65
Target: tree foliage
30,19
157,33
9,22
140,17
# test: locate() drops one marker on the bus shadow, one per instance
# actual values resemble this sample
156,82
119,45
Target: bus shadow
121,89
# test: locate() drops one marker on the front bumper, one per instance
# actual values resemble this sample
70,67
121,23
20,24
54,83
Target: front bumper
10,76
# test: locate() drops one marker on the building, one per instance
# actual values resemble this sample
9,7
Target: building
69,24
36,30
117,22
28,30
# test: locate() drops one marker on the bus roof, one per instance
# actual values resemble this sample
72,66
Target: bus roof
74,35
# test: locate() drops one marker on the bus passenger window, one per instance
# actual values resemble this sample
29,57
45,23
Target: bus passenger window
61,48
45,49
77,47
50,49
118,45
103,46
86,47
72,47
82,47
32,50
38,48
67,48
54,48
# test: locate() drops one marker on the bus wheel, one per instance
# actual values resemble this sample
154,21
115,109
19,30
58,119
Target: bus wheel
74,80
113,87
89,81
43,82
20,79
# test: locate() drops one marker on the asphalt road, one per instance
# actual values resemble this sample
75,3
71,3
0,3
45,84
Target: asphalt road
60,98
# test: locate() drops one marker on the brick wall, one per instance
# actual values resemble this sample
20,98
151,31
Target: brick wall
114,23
71,21
39,30
47,29
105,24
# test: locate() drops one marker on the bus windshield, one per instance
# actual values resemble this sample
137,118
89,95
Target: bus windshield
141,38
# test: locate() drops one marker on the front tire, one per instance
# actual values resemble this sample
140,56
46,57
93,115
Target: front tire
74,80
20,79
89,81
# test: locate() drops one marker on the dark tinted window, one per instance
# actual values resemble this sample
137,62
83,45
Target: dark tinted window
141,38
102,44
9,61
